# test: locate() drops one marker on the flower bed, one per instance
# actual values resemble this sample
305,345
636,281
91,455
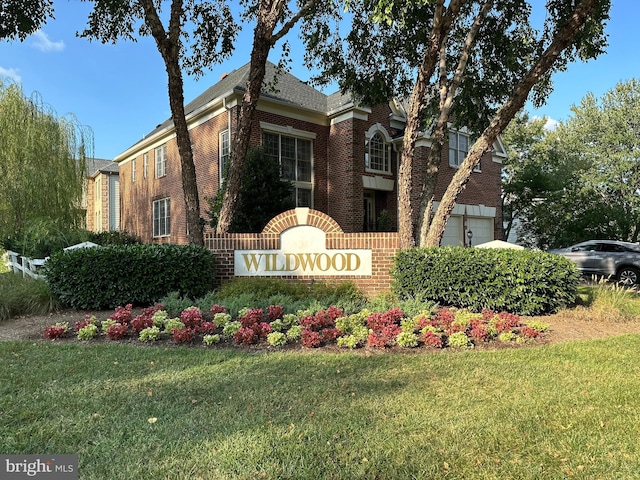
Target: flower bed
446,327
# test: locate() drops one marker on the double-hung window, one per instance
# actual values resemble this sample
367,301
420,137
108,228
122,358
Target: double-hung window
161,160
145,165
459,144
133,170
224,152
162,218
294,154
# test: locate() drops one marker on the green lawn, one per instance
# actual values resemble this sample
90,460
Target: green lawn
541,412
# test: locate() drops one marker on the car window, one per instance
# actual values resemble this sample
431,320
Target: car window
611,247
589,247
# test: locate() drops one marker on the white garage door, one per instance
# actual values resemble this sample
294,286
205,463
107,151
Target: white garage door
482,229
453,232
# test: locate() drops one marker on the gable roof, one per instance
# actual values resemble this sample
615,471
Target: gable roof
281,86
99,165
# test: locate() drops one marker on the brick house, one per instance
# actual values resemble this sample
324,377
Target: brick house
101,196
341,157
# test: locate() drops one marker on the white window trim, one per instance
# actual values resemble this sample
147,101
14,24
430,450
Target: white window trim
160,161
298,134
133,170
222,166
166,219
388,142
145,165
477,168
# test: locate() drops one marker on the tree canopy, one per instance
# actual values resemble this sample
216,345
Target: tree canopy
42,163
20,18
470,63
582,180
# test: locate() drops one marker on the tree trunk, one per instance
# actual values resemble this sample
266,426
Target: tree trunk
503,117
169,47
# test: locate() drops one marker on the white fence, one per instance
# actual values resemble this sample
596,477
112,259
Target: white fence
29,267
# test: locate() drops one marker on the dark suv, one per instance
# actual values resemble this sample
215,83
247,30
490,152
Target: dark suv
610,258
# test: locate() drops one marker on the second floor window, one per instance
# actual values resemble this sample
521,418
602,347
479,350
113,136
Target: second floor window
133,170
295,158
458,148
377,155
145,165
225,151
161,161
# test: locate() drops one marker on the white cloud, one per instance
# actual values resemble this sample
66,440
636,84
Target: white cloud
42,42
551,124
10,73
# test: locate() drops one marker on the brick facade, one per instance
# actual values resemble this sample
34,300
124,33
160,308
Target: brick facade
382,245
340,180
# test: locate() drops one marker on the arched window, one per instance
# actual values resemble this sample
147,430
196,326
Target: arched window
377,155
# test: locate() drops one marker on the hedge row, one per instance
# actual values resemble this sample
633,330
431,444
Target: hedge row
523,282
105,277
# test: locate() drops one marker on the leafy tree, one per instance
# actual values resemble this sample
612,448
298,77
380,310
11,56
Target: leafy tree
268,15
20,18
210,40
580,181
264,194
473,63
42,164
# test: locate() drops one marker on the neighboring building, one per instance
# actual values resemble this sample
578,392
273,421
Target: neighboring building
102,195
342,158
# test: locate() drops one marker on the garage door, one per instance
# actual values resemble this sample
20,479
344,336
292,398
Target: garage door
482,229
453,232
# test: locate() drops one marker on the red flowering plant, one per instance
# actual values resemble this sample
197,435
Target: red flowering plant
253,329
274,312
191,317
56,331
529,332
117,331
207,328
218,309
384,327
184,335
142,321
88,320
311,339
122,314
432,339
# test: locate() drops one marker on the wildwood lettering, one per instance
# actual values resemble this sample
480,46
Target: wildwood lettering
306,262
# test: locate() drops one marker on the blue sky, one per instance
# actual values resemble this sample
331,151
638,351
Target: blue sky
120,90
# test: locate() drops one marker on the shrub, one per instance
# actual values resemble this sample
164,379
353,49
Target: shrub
295,332
56,331
173,324
274,312
407,339
140,322
211,339
311,339
122,314
184,335
276,339
191,317
221,319
459,340
98,278
231,328
117,331
149,334
523,282
88,332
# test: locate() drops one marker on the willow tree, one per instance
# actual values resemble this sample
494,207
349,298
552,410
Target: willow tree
42,163
196,35
470,63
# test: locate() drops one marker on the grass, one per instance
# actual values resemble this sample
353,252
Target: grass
610,301
24,296
533,413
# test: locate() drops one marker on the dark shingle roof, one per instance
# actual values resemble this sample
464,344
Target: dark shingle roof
95,165
286,88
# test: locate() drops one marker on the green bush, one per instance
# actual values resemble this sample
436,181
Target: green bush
523,282
105,277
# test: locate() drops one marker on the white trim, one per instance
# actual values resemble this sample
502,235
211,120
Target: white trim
355,113
287,130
